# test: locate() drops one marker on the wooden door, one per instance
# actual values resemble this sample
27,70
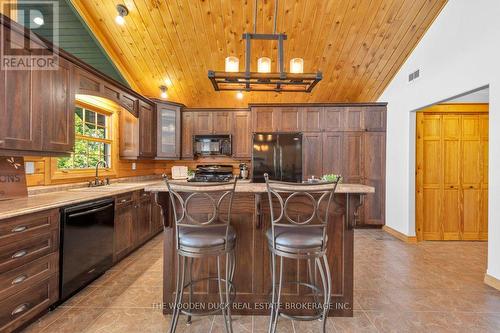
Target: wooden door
312,119
142,222
203,123
20,122
312,155
264,119
187,135
374,175
124,218
290,119
242,135
332,153
452,169
353,119
56,101
147,130
352,160
222,122
374,118
333,119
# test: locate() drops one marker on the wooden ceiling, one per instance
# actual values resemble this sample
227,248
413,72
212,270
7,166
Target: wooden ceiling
358,45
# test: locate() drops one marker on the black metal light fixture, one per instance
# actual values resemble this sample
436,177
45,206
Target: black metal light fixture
264,79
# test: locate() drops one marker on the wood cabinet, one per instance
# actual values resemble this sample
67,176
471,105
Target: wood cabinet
57,102
312,155
374,175
29,267
354,119
353,153
129,135
147,130
332,152
242,134
168,131
452,174
203,123
222,122
187,135
312,119
289,119
264,119
136,221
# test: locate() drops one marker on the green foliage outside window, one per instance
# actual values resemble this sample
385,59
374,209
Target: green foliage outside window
92,141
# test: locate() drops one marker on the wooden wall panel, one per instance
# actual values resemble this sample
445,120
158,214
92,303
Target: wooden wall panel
191,37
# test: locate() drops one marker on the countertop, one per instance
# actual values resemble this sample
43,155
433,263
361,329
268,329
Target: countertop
40,202
248,187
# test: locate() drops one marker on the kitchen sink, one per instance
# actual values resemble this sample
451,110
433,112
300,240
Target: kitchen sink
105,188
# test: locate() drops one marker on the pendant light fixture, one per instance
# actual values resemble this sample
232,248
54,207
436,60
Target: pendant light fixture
163,93
264,79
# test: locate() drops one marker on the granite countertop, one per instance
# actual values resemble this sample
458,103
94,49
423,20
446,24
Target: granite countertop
39,202
248,187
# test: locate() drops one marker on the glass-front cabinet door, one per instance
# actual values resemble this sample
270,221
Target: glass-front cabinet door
169,131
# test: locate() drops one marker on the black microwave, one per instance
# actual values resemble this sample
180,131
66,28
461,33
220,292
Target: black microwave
212,145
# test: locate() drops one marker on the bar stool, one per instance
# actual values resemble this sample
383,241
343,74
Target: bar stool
295,239
200,239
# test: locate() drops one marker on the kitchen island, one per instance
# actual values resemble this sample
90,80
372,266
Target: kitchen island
251,218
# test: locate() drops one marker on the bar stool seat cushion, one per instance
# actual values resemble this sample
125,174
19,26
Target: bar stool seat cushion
205,237
296,238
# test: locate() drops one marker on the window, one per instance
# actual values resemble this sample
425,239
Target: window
92,140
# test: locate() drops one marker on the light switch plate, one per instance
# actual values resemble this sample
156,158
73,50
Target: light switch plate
29,167
134,166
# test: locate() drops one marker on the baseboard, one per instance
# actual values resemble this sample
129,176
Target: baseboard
492,281
400,236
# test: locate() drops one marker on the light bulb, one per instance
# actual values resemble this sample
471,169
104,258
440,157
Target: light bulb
232,64
38,20
297,65
120,20
163,93
239,95
264,65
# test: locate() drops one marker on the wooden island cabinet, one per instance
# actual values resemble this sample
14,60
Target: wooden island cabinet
251,219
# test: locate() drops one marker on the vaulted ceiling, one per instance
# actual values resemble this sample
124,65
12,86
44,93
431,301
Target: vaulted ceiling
358,45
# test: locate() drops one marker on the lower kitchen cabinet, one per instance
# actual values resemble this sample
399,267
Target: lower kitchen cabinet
136,221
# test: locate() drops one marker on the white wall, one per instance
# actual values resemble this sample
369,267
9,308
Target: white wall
460,52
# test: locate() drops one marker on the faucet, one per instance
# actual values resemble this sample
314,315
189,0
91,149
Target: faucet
97,182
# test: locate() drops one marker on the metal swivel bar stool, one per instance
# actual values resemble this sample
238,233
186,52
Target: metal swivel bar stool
200,239
295,239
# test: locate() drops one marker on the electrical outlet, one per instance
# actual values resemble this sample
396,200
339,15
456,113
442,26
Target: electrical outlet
29,167
134,166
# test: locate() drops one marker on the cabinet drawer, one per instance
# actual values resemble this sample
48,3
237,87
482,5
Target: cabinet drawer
21,307
16,254
27,275
19,228
124,199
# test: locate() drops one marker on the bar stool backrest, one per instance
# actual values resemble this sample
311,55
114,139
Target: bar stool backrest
319,195
213,195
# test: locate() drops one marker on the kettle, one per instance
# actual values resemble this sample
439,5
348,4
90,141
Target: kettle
243,171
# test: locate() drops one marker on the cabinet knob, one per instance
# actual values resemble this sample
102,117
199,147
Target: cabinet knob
19,228
123,200
19,279
19,254
20,308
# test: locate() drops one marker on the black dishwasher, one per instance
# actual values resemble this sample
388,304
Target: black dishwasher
86,244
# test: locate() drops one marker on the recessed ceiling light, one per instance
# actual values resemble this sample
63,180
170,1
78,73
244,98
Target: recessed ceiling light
239,95
122,12
38,20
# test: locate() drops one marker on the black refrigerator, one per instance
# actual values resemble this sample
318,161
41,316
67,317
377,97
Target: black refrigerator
279,155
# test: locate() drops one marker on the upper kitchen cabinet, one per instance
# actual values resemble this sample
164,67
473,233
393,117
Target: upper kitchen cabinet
203,123
354,119
289,119
37,107
168,131
222,121
264,119
129,135
242,134
147,130
187,135
333,119
375,118
312,119
57,100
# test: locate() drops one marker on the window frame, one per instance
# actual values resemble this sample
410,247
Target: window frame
65,174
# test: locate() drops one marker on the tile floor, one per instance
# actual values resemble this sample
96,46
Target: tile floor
429,287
